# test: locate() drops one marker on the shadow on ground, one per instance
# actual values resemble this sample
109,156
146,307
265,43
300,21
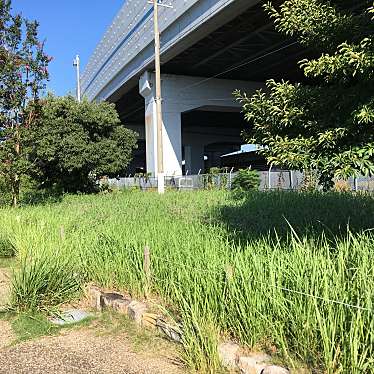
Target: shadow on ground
257,215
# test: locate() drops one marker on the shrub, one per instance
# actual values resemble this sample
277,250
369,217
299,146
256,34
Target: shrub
76,143
44,281
246,180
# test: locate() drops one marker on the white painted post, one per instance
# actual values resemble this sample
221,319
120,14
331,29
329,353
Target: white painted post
160,150
269,176
230,177
291,180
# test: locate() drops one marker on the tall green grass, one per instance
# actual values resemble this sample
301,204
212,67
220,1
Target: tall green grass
263,269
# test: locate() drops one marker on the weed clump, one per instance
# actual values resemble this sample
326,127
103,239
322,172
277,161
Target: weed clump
7,248
43,282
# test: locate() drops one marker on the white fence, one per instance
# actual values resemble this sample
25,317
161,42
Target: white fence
282,180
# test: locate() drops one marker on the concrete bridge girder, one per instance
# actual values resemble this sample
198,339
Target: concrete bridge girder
182,94
126,49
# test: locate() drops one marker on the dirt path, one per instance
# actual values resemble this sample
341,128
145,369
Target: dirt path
83,351
6,333
4,286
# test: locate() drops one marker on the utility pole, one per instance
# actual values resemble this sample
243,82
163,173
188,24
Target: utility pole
160,153
77,64
158,99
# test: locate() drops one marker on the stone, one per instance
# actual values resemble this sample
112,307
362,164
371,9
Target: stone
149,320
70,316
249,365
173,333
148,324
136,310
110,298
273,369
228,354
121,305
95,297
260,357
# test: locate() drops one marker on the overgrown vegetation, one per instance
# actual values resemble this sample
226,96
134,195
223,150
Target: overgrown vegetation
325,124
23,73
263,269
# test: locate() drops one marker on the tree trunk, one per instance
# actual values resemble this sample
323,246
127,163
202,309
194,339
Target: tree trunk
15,191
16,178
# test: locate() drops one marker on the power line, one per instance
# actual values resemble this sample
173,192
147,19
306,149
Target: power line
222,73
103,68
177,102
220,272
95,75
302,293
238,66
147,17
133,112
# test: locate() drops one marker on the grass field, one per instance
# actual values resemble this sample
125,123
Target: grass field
264,269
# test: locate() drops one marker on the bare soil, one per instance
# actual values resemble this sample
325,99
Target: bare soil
83,351
6,335
4,286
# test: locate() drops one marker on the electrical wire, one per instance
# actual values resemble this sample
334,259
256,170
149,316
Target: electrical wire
286,289
237,66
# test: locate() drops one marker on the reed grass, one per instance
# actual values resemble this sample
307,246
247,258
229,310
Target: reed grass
222,266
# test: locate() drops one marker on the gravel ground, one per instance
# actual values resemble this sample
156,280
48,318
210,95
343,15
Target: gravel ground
78,351
82,351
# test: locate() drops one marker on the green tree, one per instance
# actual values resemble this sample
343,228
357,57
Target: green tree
23,72
328,124
74,143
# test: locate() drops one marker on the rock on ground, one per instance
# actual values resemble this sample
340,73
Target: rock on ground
228,353
275,370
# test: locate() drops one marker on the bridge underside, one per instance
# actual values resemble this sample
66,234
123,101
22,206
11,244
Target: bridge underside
205,136
246,49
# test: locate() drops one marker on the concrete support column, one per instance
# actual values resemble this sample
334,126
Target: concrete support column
181,94
171,130
194,158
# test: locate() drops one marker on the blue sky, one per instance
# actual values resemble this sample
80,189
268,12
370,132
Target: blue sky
70,27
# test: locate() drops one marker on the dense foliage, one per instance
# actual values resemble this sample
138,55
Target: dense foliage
23,72
73,143
327,125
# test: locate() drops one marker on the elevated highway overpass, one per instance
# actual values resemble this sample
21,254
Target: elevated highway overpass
208,49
